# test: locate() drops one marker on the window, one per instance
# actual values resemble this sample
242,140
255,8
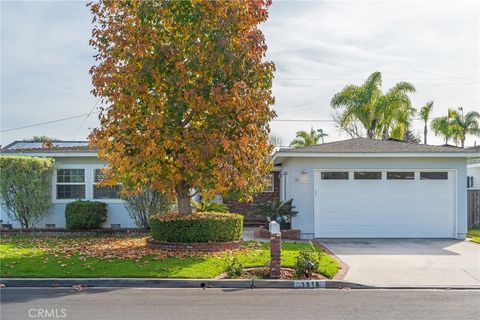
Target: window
104,192
270,186
433,175
70,183
367,175
469,182
400,175
334,175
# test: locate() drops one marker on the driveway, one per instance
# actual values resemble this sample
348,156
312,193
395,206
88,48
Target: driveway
409,262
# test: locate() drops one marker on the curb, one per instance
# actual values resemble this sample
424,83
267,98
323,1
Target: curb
203,283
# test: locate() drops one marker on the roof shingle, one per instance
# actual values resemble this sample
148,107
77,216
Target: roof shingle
364,145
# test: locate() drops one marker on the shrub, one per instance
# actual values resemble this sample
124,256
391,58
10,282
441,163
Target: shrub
197,227
84,215
209,206
143,205
25,188
234,269
279,211
308,262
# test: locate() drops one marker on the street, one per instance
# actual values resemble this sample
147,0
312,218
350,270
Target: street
213,304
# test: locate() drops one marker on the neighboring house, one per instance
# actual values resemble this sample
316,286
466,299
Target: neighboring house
473,170
363,188
78,170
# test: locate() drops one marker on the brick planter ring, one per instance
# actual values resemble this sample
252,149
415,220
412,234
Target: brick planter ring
194,246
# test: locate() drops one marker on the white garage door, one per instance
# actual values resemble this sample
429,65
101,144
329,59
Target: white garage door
384,204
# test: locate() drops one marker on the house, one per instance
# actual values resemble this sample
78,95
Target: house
473,170
77,171
364,188
75,161
346,189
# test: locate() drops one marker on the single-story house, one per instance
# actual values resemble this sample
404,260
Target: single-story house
364,188
345,189
78,170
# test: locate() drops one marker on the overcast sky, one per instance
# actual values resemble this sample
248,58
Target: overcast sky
318,48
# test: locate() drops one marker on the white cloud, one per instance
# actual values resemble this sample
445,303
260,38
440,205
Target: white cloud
434,44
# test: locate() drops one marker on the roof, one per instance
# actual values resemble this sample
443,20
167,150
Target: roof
374,147
47,147
475,148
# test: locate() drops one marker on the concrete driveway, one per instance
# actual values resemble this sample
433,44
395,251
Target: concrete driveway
409,262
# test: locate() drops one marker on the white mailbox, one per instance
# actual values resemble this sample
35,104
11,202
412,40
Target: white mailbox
274,227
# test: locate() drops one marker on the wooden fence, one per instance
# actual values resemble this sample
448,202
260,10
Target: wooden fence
473,208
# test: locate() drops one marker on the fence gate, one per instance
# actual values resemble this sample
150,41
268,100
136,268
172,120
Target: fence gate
474,208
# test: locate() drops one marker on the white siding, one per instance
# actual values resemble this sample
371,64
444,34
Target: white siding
303,194
116,211
473,170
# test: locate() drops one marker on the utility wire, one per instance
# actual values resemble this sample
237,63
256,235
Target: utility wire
48,122
91,110
95,112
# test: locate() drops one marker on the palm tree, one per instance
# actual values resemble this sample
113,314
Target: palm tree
322,134
466,124
307,139
368,106
424,115
445,126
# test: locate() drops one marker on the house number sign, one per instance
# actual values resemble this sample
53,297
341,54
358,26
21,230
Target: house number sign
305,284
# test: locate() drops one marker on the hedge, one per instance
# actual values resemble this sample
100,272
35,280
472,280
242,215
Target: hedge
197,227
85,215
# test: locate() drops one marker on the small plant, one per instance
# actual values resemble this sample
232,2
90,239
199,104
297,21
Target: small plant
209,206
146,203
234,269
279,211
308,262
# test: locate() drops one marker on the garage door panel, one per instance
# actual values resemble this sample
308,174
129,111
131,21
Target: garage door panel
385,208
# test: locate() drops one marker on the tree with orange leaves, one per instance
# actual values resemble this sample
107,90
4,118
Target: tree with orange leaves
187,95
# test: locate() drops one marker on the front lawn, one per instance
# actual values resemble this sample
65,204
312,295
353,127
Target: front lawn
474,235
128,257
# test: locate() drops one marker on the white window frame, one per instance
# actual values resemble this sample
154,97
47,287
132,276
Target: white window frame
55,183
111,200
271,178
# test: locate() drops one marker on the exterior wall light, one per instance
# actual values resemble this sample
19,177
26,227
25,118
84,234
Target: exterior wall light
304,178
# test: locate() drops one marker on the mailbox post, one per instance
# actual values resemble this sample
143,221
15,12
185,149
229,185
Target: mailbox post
275,249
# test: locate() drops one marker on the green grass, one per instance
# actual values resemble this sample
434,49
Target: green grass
474,235
20,258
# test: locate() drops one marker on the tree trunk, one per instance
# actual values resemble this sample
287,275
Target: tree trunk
463,143
425,130
182,191
385,133
370,133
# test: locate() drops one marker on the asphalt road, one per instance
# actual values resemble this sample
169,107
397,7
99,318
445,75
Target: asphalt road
213,304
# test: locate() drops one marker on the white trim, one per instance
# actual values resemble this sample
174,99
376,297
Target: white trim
373,155
272,179
92,154
55,183
92,196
